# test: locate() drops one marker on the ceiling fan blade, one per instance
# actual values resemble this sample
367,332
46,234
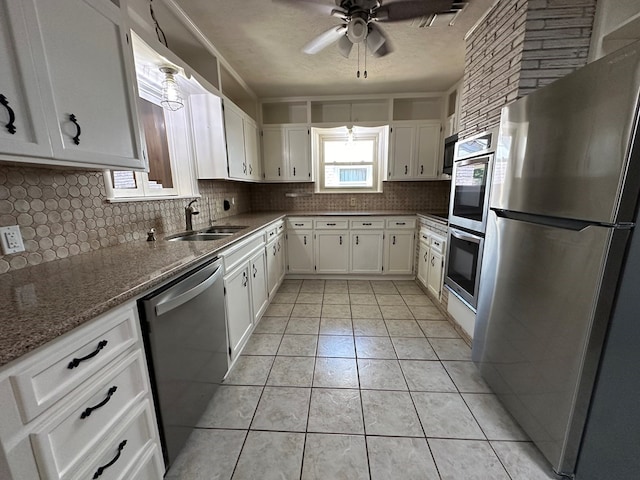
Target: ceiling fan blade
400,10
375,38
322,6
345,46
324,39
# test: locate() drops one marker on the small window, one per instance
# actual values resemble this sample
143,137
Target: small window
349,159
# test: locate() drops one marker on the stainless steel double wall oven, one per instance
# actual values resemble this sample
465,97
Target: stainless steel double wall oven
470,188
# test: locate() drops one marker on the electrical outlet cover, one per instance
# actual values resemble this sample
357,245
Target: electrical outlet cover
11,240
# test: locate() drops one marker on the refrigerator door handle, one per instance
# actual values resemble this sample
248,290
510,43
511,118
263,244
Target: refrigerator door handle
563,223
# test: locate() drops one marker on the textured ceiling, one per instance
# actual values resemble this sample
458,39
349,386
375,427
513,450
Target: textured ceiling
262,40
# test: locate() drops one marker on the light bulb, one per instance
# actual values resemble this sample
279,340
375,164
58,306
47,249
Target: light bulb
171,94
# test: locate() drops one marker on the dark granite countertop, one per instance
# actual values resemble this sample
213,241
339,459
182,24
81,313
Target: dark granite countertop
42,302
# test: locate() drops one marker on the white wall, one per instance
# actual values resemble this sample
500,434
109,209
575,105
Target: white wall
617,23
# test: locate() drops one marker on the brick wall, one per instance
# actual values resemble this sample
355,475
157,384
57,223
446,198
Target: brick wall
557,38
520,45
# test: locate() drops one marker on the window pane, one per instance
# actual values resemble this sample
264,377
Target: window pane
354,151
155,134
348,176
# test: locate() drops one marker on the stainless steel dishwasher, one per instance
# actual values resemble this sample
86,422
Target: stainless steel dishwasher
184,330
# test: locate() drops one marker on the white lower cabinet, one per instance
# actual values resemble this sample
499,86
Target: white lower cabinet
300,252
332,251
423,259
399,252
434,279
276,259
101,425
366,251
259,291
238,302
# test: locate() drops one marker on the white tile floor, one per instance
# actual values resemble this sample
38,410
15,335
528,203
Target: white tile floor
356,380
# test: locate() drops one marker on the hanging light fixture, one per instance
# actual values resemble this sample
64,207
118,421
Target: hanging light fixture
171,94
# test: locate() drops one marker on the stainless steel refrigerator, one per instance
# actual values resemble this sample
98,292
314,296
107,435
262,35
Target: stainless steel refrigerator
558,257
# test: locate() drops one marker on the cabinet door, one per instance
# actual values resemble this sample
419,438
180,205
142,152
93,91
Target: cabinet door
273,268
428,154
423,263
332,251
434,279
251,150
85,73
366,251
238,304
259,293
23,130
299,153
273,153
234,132
403,146
281,258
399,252
300,252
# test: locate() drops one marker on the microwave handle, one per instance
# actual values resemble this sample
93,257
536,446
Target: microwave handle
464,236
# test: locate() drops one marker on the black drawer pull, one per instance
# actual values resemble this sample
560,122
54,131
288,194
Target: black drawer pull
101,469
11,128
88,410
331,224
76,361
74,120
299,224
340,239
271,234
394,239
401,223
357,240
368,224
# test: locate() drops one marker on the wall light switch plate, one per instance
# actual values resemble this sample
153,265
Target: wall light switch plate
11,240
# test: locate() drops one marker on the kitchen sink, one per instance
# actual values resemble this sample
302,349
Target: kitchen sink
197,236
222,230
210,233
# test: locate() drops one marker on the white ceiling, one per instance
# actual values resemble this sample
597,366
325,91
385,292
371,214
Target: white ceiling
262,40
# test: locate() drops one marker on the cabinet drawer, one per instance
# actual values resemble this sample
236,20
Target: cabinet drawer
274,230
326,224
299,223
437,244
76,358
377,223
126,446
238,253
148,467
61,443
425,236
395,223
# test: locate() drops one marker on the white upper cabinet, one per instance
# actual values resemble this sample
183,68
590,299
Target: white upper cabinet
86,81
242,144
286,154
415,151
22,127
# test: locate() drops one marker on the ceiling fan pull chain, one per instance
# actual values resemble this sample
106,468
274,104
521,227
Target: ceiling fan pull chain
358,74
365,57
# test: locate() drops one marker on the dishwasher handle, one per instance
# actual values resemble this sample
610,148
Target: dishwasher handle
168,305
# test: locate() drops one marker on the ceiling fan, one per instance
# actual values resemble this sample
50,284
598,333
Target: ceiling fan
360,18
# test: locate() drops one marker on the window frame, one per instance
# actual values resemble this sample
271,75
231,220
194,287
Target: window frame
380,135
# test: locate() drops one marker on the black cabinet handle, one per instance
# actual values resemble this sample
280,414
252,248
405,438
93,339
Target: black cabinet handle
368,224
250,169
433,261
245,279
299,224
274,250
255,270
425,256
357,240
294,171
76,361
278,171
406,170
244,167
305,239
278,246
74,120
11,128
394,240
340,239
401,223
88,410
101,469
421,169
331,224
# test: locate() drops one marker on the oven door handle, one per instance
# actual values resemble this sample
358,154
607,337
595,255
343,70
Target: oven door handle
465,236
175,302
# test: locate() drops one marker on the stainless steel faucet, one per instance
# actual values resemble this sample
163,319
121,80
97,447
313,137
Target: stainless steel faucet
189,212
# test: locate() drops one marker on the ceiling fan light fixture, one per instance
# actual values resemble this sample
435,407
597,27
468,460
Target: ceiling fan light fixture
357,30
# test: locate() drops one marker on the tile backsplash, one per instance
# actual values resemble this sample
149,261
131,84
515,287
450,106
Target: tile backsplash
65,212
415,196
